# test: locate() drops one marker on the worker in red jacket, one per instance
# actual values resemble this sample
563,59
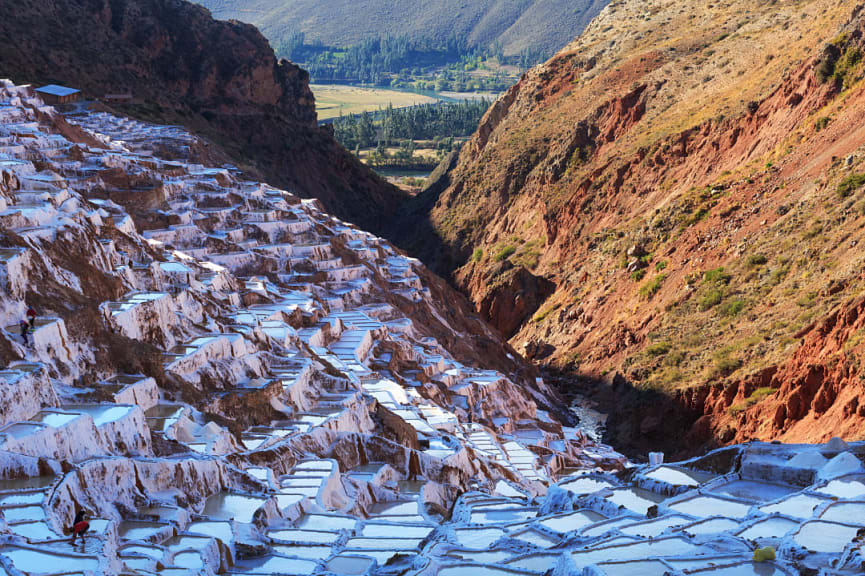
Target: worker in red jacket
79,526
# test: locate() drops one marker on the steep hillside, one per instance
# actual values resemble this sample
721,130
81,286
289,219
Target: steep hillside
220,79
541,25
669,213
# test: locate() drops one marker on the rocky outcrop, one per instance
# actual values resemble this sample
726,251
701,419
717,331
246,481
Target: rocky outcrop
220,79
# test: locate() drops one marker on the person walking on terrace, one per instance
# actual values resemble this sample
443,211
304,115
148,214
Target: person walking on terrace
25,329
31,317
79,526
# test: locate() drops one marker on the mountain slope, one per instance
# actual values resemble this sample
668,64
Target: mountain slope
669,213
220,79
544,25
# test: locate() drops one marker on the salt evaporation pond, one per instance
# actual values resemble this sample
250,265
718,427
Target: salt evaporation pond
232,506
140,530
679,476
389,530
639,568
189,560
845,513
309,536
102,413
478,538
844,489
705,506
656,527
711,526
635,499
349,565
476,570
775,528
799,506
304,551
271,565
507,516
828,537
572,521
755,491
326,522
662,547
219,530
38,562
585,485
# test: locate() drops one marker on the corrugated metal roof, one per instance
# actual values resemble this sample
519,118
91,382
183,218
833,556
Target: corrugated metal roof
56,90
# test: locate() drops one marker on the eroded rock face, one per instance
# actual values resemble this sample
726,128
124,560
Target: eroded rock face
219,370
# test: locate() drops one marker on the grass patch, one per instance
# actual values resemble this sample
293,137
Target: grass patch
650,288
658,349
756,396
732,308
725,362
478,255
504,253
849,185
754,260
638,275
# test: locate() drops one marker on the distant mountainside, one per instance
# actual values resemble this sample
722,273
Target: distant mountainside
540,25
219,79
670,214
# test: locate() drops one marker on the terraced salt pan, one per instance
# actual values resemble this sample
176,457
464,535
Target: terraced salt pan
349,565
677,476
827,537
34,531
387,530
139,530
705,506
754,491
743,569
382,543
635,499
770,528
232,506
271,565
306,552
843,488
309,536
845,513
535,538
536,562
219,530
638,568
673,546
604,527
326,522
17,498
585,485
653,528
478,538
24,513
711,526
189,560
505,516
572,521
477,570
40,562
491,557
799,506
